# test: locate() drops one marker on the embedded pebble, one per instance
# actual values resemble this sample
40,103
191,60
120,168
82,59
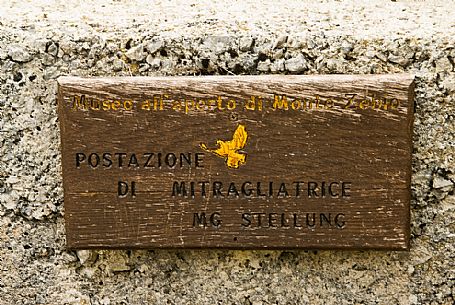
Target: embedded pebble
297,64
155,46
136,53
440,183
264,66
246,43
19,54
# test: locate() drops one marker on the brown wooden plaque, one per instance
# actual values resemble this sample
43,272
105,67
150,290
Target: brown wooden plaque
237,162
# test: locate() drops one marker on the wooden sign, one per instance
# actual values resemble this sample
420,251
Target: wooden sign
237,161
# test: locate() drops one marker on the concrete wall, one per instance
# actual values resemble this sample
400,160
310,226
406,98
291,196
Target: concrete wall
40,41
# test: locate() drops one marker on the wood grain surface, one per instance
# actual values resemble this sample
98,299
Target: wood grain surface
277,162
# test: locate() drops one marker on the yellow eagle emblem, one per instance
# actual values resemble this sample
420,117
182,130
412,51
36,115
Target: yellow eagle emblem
229,150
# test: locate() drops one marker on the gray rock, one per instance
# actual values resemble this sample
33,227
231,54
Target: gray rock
3,52
136,53
346,47
448,83
280,41
382,56
69,258
118,64
52,49
143,68
19,53
398,60
370,54
153,61
246,44
217,44
167,64
51,73
441,183
264,66
87,257
443,64
278,54
155,46
277,66
83,256
297,64
248,61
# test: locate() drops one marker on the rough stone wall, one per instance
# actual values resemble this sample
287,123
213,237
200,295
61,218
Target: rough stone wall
40,41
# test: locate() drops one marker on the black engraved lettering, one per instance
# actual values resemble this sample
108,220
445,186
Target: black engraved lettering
340,223
246,220
199,220
170,160
258,190
80,157
284,222
179,189
272,220
93,160
232,190
331,191
203,191
312,187
148,163
192,189
310,222
185,159
282,192
324,219
159,160
215,220
198,158
246,189
296,221
297,188
259,218
133,161
120,157
345,189
217,187
107,161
